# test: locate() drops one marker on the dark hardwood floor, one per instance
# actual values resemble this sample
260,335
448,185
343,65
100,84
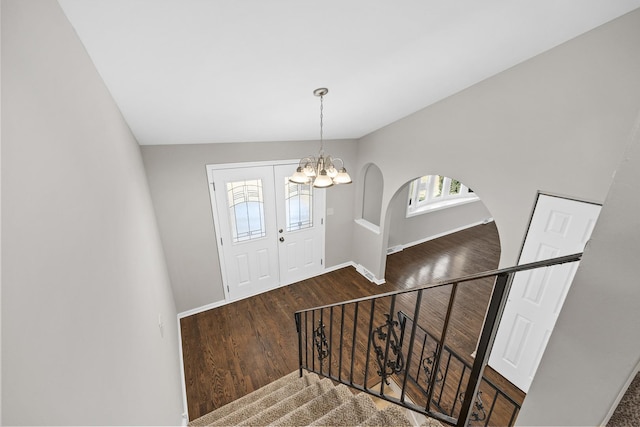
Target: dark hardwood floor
235,349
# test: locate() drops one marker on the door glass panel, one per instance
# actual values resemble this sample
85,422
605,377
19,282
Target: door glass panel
299,205
246,210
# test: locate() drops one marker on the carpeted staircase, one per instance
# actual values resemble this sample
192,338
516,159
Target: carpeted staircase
295,401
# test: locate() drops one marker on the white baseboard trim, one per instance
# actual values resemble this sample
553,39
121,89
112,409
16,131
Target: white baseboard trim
369,275
339,266
183,382
202,308
398,248
221,303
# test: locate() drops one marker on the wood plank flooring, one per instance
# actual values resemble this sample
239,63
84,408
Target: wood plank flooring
235,349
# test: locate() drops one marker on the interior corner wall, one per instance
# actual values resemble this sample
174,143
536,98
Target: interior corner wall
594,348
554,123
180,191
89,335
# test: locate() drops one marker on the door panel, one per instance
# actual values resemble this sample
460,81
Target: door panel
300,227
247,229
558,227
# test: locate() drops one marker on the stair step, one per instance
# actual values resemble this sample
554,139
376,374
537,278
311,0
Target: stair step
350,413
265,402
306,401
230,407
316,408
389,416
289,404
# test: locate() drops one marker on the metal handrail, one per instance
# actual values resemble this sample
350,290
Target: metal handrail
384,358
490,273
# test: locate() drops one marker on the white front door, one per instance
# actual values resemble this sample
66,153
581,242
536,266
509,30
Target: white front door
246,215
300,227
270,232
558,227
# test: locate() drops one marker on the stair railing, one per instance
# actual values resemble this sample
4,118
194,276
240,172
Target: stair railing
391,350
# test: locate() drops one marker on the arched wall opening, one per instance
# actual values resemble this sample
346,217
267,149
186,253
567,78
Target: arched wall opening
406,226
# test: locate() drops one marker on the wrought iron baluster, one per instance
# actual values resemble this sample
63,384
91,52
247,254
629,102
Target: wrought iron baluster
313,340
353,343
403,321
306,341
453,409
444,378
478,413
493,405
396,364
320,339
443,337
299,331
341,337
390,328
428,366
486,336
424,344
366,368
330,346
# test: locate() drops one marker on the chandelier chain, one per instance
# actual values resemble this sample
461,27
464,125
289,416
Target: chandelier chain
321,123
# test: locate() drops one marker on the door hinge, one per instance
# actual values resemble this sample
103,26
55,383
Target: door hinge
321,221
228,290
321,260
214,185
221,244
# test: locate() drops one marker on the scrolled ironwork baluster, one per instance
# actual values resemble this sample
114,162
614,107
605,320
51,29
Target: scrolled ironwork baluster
320,340
427,367
478,413
395,364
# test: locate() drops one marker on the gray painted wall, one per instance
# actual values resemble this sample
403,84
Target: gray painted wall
558,123
594,347
554,123
84,279
403,230
179,189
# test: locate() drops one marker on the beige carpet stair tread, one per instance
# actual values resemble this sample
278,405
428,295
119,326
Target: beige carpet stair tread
308,401
389,416
265,402
227,409
350,413
289,404
315,408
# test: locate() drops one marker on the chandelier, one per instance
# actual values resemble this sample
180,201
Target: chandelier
320,171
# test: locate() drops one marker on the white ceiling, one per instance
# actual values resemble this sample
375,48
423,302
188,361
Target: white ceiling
198,71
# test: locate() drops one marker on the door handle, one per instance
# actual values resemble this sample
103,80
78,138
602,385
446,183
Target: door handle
282,239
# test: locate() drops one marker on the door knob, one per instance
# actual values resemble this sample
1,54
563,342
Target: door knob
282,239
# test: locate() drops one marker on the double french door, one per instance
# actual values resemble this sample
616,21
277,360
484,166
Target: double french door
270,231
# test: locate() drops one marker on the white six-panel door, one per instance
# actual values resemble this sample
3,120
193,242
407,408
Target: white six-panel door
558,227
271,232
